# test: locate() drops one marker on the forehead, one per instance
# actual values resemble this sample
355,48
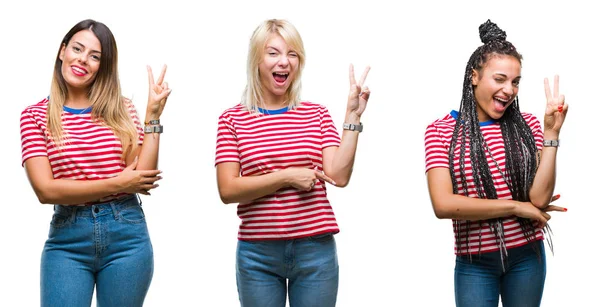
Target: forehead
502,64
88,39
276,41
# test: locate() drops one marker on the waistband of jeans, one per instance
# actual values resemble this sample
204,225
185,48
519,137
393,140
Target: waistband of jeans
98,209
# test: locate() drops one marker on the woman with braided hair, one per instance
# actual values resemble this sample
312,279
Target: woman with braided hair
491,169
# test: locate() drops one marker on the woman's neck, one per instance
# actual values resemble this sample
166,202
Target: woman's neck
77,99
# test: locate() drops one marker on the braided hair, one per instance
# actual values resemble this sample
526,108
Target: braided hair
519,143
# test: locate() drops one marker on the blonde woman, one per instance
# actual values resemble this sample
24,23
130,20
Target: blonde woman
274,154
84,150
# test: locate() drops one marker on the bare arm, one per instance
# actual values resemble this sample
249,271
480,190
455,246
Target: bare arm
448,205
157,98
74,192
338,161
541,191
234,188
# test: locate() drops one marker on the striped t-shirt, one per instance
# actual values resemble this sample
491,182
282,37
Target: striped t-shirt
437,144
91,152
271,141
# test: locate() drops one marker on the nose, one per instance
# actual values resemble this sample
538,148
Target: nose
284,61
509,89
82,58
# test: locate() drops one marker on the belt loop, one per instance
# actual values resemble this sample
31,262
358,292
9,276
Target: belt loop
114,210
73,213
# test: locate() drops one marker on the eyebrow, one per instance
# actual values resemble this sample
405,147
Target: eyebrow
505,76
82,45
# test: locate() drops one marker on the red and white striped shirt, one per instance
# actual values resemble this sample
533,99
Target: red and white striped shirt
437,144
91,152
271,142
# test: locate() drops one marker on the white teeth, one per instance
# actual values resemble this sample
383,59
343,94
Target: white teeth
79,70
281,73
501,100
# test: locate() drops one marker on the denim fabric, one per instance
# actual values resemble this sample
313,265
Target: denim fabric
481,281
104,245
305,269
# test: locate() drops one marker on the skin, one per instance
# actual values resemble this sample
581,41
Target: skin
499,78
337,161
140,176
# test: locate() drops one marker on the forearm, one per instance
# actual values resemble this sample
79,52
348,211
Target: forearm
343,161
75,192
545,178
467,208
148,156
244,189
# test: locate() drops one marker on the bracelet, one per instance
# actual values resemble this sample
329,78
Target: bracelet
153,122
551,143
153,129
353,127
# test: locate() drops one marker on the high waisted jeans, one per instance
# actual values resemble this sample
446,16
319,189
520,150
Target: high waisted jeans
306,269
481,281
106,245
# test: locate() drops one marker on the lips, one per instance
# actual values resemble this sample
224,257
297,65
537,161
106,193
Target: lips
79,71
500,103
280,77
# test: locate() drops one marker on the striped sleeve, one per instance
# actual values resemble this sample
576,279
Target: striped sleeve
536,129
33,140
436,154
329,135
227,145
136,120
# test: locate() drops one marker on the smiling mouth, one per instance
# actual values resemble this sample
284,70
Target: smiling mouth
280,77
501,103
78,71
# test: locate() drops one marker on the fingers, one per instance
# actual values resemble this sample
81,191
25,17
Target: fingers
555,197
556,93
150,173
364,76
162,75
324,177
366,93
352,80
555,208
547,89
150,75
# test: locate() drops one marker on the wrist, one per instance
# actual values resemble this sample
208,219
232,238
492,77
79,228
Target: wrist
515,207
352,118
116,185
551,134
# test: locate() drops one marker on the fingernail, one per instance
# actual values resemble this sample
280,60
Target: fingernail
565,209
560,109
557,196
333,182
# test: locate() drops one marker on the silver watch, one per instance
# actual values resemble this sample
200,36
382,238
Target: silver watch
353,127
551,143
153,129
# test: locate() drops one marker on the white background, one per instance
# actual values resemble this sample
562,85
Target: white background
392,249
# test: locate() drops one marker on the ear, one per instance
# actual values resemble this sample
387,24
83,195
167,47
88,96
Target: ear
61,55
475,77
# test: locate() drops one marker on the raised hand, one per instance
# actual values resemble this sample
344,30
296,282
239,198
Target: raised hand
158,92
556,108
359,94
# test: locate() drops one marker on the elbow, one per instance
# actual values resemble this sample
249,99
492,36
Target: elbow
342,183
226,198
441,212
43,197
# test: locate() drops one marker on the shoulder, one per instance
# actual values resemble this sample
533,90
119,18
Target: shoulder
530,119
447,122
36,110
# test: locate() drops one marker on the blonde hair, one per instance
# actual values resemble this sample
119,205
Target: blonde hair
253,94
109,107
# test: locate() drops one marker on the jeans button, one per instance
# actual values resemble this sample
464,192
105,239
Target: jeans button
96,210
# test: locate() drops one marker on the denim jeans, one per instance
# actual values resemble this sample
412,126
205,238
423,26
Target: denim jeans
482,281
104,245
306,269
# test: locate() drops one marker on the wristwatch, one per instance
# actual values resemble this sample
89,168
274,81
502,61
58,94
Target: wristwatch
353,127
551,143
153,129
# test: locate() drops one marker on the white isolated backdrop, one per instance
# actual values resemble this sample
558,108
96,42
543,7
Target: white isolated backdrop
392,249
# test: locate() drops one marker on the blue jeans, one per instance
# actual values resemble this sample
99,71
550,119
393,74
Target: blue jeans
480,282
309,265
106,245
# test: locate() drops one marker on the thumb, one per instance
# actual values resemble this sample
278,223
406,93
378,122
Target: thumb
133,164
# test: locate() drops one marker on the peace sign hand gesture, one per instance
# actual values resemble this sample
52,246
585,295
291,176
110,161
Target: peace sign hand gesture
157,94
359,95
556,108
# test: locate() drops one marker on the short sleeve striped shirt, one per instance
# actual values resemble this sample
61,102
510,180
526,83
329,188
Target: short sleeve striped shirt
273,141
438,136
92,151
